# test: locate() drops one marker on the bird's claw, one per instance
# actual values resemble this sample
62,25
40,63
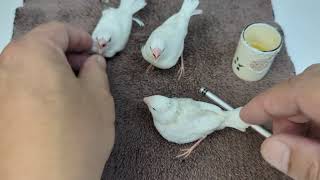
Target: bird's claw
186,153
180,72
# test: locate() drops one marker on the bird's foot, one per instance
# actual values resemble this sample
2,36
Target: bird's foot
150,68
186,152
181,70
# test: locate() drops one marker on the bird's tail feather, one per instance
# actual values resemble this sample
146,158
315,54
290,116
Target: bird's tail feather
197,12
133,6
189,8
233,120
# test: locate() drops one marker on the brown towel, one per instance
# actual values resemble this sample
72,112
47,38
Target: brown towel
139,151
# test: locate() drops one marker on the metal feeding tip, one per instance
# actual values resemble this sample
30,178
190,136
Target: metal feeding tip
225,106
203,91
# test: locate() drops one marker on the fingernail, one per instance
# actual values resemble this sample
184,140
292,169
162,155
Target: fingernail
101,61
242,114
277,154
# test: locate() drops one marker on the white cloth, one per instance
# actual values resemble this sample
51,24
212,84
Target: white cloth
7,15
300,23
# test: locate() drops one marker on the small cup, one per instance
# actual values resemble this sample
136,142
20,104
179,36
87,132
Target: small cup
259,44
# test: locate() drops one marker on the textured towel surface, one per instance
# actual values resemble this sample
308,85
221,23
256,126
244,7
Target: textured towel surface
139,151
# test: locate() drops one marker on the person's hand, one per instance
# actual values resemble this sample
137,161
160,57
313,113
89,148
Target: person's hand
293,107
53,124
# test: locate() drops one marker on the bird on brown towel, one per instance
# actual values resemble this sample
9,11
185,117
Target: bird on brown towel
165,45
114,27
182,120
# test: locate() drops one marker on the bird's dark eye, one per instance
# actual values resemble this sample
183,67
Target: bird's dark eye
103,45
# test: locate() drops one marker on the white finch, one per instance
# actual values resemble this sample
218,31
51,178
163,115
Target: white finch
185,120
165,45
113,30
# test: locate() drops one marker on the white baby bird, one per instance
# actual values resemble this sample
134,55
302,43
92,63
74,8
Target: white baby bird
182,120
112,32
166,43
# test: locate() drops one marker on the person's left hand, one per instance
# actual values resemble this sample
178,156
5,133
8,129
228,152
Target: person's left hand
53,124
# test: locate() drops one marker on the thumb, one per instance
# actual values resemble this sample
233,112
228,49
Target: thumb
93,73
296,156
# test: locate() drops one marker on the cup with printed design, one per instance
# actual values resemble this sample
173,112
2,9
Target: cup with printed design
259,44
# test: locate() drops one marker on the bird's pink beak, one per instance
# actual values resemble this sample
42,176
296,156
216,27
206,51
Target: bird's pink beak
102,44
156,53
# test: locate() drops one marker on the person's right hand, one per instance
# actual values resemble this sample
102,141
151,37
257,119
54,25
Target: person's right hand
294,108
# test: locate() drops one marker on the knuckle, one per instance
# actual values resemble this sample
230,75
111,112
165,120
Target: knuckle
50,29
56,24
56,27
311,71
305,83
10,50
313,67
297,84
292,81
7,50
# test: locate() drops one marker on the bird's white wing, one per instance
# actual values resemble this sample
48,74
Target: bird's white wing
117,21
202,113
106,23
199,105
190,126
203,122
210,107
171,20
175,25
230,118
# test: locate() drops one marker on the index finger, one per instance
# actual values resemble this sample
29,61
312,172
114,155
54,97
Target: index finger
278,102
62,36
